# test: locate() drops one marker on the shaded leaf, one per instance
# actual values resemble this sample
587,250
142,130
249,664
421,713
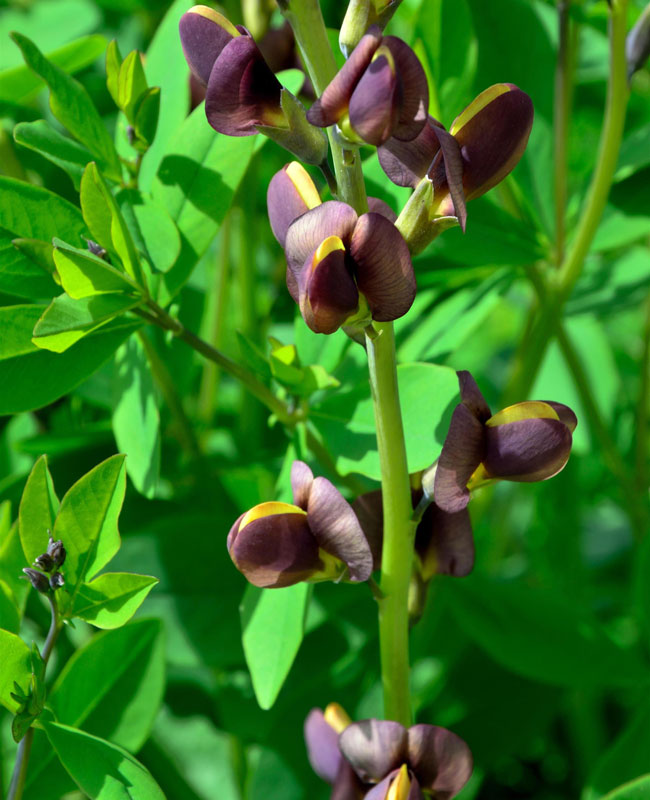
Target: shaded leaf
15,665
60,150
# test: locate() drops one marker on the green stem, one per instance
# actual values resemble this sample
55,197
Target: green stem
158,316
399,530
19,776
569,271
306,19
642,409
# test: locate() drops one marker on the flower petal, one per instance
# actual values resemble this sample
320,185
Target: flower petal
380,791
204,33
440,759
527,450
332,218
330,294
333,103
472,397
406,163
492,134
374,747
565,414
370,513
277,550
337,530
453,171
348,785
415,89
242,91
291,193
322,746
301,480
462,452
378,206
375,102
383,267
445,543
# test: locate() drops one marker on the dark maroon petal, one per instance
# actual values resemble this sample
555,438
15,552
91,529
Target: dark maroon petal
203,39
301,480
333,103
374,747
453,163
308,231
565,414
348,785
472,397
461,454
337,530
322,746
383,267
441,760
378,206
277,550
527,450
375,102
284,203
370,513
406,163
330,294
232,533
445,543
415,89
242,91
493,140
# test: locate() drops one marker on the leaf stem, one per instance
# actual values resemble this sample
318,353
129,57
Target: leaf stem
19,776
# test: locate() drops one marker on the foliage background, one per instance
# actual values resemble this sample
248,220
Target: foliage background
540,658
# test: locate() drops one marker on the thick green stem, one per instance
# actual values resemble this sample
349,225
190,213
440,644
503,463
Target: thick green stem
569,271
399,530
19,776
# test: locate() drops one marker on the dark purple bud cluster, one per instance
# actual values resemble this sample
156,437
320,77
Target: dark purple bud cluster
382,760
47,562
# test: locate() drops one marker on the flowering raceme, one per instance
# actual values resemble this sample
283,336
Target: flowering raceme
381,760
340,266
316,538
380,91
529,441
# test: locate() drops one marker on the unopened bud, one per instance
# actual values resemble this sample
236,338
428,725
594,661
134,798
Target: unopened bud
44,562
57,551
37,579
56,581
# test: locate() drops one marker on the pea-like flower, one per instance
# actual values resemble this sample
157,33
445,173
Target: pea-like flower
380,91
316,538
529,441
483,145
383,760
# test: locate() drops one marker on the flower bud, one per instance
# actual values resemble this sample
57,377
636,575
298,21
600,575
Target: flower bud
44,562
56,581
56,550
37,580
380,91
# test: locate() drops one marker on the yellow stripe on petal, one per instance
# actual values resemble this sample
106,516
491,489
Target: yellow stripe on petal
401,785
336,717
477,104
216,17
269,509
531,409
385,52
301,179
327,246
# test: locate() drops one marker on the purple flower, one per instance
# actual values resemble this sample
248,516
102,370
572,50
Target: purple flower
380,91
529,441
316,538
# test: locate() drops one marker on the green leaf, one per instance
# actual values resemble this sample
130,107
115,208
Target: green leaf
59,149
196,183
19,83
273,625
106,223
102,770
136,422
626,759
147,113
15,666
33,378
9,611
35,213
66,320
113,64
535,634
634,154
72,106
87,521
428,395
111,599
83,274
165,65
39,506
12,558
131,84
634,790
160,236
21,274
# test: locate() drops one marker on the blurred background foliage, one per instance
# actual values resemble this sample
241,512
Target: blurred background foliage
539,660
